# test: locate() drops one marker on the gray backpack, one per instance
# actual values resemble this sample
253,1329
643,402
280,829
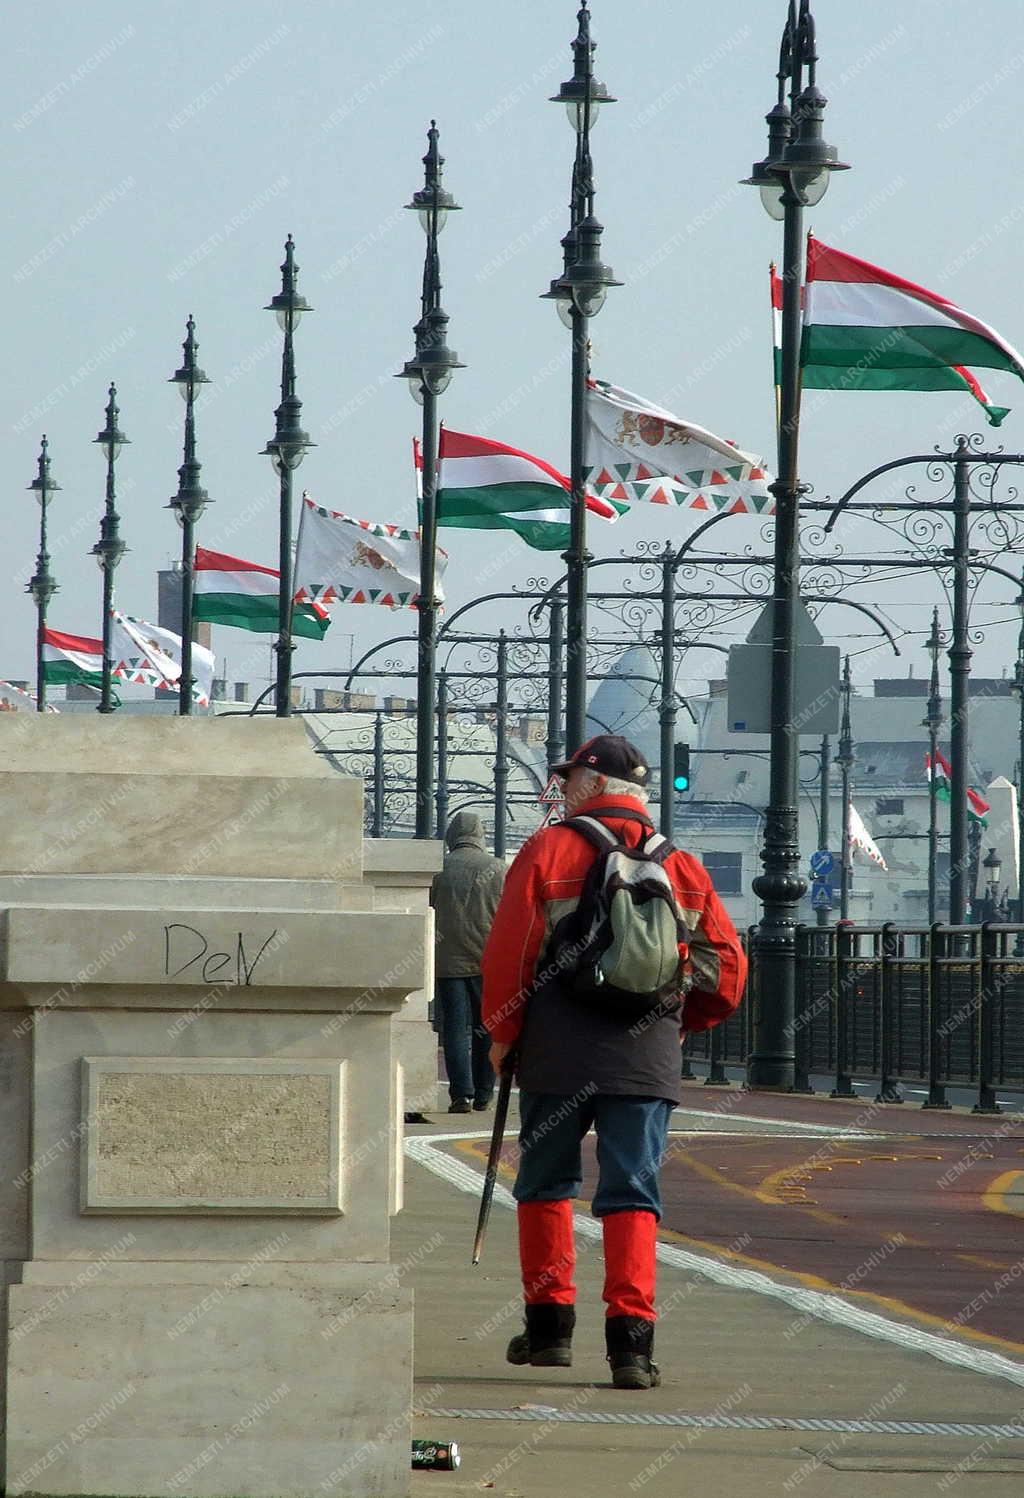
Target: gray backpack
620,947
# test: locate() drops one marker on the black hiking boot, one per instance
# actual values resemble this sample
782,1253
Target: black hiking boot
630,1342
547,1340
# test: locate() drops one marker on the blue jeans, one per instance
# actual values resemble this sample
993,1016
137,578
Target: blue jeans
465,1040
631,1136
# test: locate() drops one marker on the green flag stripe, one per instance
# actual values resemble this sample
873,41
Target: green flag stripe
543,535
243,611
497,499
59,672
905,349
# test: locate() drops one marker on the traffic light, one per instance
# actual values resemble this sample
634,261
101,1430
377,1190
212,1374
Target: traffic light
681,767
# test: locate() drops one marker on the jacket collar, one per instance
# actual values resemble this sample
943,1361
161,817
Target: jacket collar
611,804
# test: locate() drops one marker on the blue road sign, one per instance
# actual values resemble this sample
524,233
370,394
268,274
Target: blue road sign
821,897
822,863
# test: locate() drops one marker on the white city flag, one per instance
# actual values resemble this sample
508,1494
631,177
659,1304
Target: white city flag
151,656
343,560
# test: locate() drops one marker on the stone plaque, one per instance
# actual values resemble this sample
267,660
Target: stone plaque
214,1136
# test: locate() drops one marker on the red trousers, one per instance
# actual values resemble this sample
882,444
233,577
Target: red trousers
547,1257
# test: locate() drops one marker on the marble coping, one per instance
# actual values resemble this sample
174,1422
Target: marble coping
97,953
402,862
102,743
200,892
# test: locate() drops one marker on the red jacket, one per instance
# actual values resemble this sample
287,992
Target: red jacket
545,882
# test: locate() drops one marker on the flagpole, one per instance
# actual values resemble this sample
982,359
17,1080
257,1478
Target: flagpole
933,722
286,450
42,585
109,549
579,294
959,672
188,505
776,355
845,759
429,373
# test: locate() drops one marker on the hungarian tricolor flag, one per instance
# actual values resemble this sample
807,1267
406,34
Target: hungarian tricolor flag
867,329
977,808
484,485
244,596
71,658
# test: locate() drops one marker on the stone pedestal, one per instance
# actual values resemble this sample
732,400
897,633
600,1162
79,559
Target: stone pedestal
201,1124
400,871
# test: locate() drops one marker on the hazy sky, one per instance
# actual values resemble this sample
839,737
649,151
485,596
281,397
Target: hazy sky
157,155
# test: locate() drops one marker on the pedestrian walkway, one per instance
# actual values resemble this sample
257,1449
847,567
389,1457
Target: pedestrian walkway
767,1388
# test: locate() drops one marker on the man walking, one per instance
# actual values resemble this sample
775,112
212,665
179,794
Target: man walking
465,896
581,1064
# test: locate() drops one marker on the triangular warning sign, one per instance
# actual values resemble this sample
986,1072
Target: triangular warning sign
552,815
552,794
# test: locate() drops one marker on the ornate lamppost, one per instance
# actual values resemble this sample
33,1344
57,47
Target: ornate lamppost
188,505
286,450
579,294
109,549
42,585
794,175
429,373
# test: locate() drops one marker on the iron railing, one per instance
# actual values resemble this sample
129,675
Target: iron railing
940,1005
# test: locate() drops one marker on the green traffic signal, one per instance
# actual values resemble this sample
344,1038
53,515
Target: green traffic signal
681,767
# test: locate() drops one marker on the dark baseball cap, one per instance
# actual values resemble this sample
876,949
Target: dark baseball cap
608,754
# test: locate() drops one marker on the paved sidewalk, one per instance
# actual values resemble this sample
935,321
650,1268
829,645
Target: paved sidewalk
744,1373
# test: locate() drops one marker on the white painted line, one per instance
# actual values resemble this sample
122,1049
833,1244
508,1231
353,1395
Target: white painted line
769,1125
814,1303
737,1422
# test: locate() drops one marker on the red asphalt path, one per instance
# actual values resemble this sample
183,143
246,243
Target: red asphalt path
925,1223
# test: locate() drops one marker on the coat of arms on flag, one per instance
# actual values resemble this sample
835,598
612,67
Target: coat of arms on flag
637,450
343,560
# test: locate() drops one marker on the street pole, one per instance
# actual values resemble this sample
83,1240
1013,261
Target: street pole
377,829
579,294
1018,684
429,373
845,759
286,450
188,505
667,706
823,810
959,675
933,722
501,749
441,800
555,745
42,585
109,549
795,173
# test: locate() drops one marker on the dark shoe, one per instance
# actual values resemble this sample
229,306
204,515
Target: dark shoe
547,1340
630,1342
481,1105
460,1105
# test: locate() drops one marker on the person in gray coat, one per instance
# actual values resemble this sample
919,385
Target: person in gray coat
464,895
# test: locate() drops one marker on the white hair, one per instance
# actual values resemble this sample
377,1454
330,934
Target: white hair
614,787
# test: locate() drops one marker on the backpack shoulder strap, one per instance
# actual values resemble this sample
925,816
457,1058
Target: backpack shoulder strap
657,848
602,837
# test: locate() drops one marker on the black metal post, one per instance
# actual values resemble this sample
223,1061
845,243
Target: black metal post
441,798
959,672
580,293
501,749
377,829
824,913
188,505
555,745
42,585
667,706
109,549
992,979
888,1091
795,172
938,951
286,450
846,956
933,722
429,373
845,759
